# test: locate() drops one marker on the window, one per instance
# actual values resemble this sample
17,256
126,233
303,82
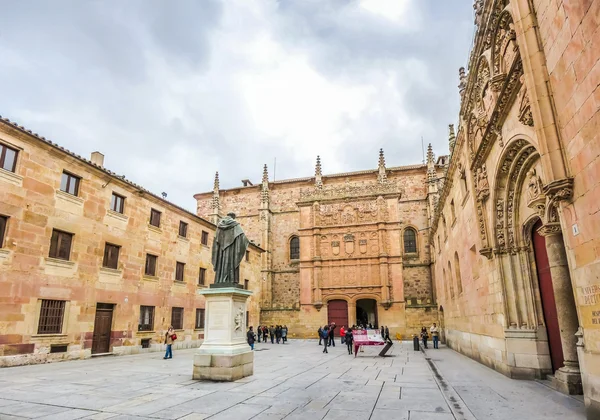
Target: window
247,284
155,218
150,269
452,211
247,318
204,238
247,255
179,270
3,224
177,318
51,317
146,318
183,229
111,256
445,228
457,274
8,158
69,183
410,241
117,203
60,245
202,277
295,248
199,319
450,281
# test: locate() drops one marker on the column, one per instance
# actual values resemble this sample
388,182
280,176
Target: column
568,377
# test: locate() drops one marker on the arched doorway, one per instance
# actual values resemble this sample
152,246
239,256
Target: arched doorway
366,312
547,295
337,311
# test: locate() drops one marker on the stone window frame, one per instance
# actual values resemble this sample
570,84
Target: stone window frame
202,276
56,243
70,178
117,203
3,148
51,308
416,240
200,318
150,310
459,288
204,238
179,271
293,250
107,262
183,229
146,265
177,313
3,228
155,216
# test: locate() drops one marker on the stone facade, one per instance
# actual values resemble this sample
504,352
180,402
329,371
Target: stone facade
340,238
517,227
33,204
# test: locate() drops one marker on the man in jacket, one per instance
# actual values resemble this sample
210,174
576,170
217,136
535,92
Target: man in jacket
332,334
250,337
349,339
320,332
435,334
272,334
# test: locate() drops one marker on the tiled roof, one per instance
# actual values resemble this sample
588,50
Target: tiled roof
100,168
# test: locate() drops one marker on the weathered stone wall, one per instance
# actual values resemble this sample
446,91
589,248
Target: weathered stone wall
31,199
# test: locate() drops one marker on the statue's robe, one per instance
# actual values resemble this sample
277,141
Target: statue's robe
229,248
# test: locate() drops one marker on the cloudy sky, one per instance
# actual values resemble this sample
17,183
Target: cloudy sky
171,91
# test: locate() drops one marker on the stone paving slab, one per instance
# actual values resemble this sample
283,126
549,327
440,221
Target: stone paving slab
291,381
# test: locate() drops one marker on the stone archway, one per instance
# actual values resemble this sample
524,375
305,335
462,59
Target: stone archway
366,312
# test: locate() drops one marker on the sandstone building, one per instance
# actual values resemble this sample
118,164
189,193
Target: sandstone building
91,263
520,291
350,248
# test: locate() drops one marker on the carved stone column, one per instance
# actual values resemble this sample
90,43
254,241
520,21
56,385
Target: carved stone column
567,379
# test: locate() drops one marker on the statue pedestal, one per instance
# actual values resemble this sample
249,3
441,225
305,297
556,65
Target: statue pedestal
225,354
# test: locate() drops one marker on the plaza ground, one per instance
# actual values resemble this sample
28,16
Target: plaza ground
291,381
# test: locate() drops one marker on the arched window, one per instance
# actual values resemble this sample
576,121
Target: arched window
457,271
450,281
295,248
410,240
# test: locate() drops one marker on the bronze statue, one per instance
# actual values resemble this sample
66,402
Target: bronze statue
229,248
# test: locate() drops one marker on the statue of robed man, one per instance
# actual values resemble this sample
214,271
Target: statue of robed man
229,248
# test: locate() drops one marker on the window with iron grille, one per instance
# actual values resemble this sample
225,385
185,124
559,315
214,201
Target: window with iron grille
199,319
177,318
155,218
111,256
183,229
150,269
202,277
117,203
146,318
69,183
60,245
8,158
295,248
246,284
51,316
410,241
3,224
204,238
179,270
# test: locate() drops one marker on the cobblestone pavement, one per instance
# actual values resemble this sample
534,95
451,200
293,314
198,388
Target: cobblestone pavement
291,381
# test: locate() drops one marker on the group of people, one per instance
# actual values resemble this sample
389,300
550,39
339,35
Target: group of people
277,333
435,335
327,336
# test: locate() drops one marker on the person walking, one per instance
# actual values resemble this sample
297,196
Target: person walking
284,332
349,339
265,332
332,334
259,333
387,334
342,334
250,337
272,334
278,334
424,336
170,338
435,336
326,337
320,333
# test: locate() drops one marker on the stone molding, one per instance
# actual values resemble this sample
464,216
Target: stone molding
11,177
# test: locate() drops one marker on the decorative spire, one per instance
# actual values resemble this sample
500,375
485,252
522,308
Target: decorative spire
318,174
431,175
430,156
216,204
264,189
382,175
451,138
462,77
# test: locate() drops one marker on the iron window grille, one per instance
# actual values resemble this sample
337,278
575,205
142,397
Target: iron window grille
60,245
111,256
146,318
69,183
117,203
177,318
8,158
51,317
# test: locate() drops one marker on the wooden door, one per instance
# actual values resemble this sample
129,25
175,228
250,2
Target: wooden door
102,329
547,295
337,311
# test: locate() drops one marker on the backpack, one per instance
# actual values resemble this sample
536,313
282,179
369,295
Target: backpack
325,334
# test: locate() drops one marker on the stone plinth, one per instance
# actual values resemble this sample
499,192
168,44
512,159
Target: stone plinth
224,355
